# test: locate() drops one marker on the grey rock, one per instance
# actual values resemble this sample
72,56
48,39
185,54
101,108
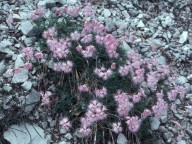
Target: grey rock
7,87
28,29
189,132
25,134
162,129
167,136
155,123
189,96
8,73
121,139
181,80
5,43
64,142
106,13
178,116
27,85
140,24
114,1
177,101
189,77
68,136
183,37
19,62
2,66
162,60
31,99
21,76
69,2
181,142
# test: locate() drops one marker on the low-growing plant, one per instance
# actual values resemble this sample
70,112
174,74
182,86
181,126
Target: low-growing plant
91,81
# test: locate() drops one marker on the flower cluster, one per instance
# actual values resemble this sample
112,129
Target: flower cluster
160,107
65,67
95,112
123,103
111,44
59,48
133,123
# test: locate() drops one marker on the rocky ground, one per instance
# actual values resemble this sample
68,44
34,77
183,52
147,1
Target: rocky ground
155,28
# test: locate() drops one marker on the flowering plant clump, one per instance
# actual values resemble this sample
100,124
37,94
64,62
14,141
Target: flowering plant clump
96,86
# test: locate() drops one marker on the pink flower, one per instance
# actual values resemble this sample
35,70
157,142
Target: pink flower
116,127
75,36
85,131
38,13
133,123
88,10
87,38
65,123
113,66
99,39
50,33
136,98
101,92
111,46
27,52
66,67
38,55
124,70
83,88
45,98
103,73
88,52
123,104
146,113
27,66
79,48
73,11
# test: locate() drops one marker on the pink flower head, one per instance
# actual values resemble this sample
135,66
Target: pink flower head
85,131
160,107
136,98
79,48
103,73
38,55
123,104
83,88
101,92
50,33
146,113
133,123
65,123
73,11
45,98
124,70
99,39
66,67
75,36
88,52
116,127
111,46
88,10
38,13
27,52
87,38
113,66
27,66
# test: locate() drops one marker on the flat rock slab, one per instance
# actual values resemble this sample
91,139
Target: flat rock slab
26,134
